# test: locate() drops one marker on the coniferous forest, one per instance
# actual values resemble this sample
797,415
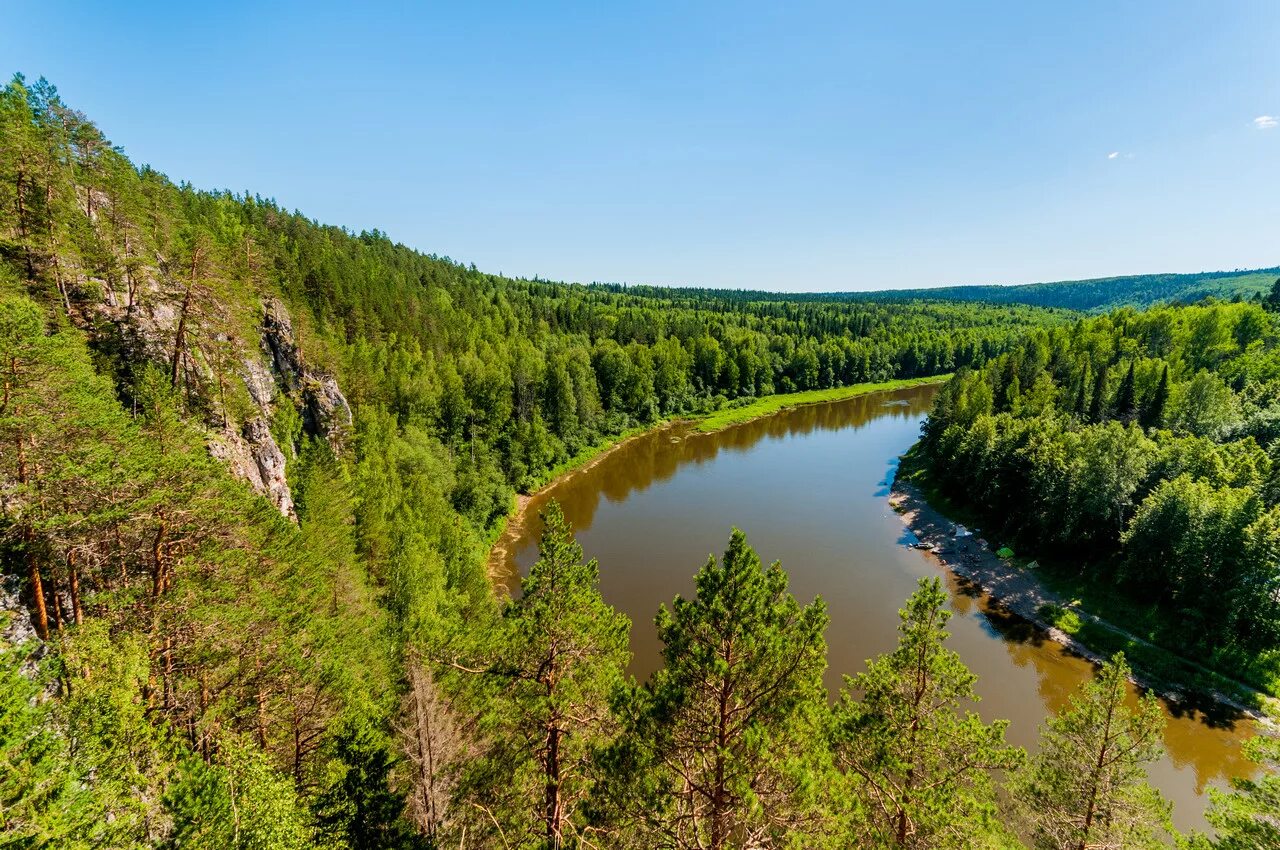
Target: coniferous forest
251,465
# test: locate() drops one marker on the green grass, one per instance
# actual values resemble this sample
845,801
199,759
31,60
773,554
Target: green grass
1060,617
727,416
1154,664
591,452
579,460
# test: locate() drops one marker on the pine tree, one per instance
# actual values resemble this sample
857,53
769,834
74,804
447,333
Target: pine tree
727,732
1087,786
560,655
237,803
918,768
1248,817
44,801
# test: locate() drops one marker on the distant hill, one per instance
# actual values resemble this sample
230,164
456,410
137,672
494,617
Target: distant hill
1098,294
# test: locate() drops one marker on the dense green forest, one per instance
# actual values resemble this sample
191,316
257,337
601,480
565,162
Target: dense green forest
1102,294
1092,296
1141,452
249,467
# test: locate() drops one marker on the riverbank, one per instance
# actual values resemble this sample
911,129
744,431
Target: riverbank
1017,589
771,404
511,528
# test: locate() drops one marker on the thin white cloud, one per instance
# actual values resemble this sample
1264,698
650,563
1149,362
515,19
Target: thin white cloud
1265,122
1113,154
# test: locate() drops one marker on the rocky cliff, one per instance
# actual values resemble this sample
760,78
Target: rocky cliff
213,343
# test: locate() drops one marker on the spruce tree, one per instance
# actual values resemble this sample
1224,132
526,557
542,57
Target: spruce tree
1272,301
1087,786
1098,405
1153,412
360,805
1126,400
1081,407
918,769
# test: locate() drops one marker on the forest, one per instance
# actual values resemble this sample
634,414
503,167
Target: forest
1103,294
251,465
1143,449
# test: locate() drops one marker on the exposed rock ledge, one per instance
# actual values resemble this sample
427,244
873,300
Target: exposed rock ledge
272,368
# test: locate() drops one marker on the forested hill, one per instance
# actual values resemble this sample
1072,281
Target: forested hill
250,464
1100,294
1096,295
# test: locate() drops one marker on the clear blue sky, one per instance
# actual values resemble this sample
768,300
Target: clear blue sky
785,145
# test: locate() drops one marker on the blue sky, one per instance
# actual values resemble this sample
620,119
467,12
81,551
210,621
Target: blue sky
799,146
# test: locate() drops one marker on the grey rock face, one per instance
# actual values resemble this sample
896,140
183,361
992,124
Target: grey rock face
144,312
325,410
327,413
279,340
278,374
254,456
16,627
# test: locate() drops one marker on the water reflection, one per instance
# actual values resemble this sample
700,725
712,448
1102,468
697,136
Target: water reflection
809,487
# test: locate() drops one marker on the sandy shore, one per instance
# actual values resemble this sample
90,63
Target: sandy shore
519,516
1012,588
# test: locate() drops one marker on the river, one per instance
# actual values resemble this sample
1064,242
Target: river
809,486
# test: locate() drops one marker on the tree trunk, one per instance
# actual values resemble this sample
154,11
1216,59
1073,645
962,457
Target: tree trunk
37,586
73,581
553,814
53,598
22,231
28,546
53,246
168,673
157,558
720,791
262,716
1096,779
180,337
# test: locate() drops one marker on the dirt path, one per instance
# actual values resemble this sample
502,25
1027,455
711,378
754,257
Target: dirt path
1011,587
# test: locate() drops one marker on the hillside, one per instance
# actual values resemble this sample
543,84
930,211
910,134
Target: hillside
1099,294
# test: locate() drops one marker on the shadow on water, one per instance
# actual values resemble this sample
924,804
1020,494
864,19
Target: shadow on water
810,487
886,484
1014,628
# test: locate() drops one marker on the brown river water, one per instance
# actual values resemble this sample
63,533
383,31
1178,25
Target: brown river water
810,487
